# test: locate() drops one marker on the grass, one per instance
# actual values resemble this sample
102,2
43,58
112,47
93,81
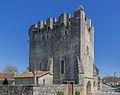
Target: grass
117,86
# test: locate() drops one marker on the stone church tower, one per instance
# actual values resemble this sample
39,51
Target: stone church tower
65,47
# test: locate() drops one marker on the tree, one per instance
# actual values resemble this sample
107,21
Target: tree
5,82
10,68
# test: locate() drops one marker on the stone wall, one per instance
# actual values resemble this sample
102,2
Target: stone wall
49,89
16,90
47,79
9,81
78,88
38,90
54,89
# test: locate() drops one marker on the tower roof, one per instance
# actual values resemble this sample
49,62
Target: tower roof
81,7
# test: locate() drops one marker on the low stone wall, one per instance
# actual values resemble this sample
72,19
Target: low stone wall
37,89
53,89
16,90
49,89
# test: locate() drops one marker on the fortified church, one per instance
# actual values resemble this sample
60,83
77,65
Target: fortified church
64,47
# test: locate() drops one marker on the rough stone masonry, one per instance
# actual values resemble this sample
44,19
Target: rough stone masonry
65,47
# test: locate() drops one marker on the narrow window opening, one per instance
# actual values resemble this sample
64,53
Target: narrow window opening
65,32
94,84
87,50
62,67
48,28
43,81
47,36
40,66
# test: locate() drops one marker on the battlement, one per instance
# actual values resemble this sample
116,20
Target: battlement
63,21
52,23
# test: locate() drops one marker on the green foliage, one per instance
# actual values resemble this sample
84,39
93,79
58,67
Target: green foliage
60,93
117,86
119,78
10,68
77,93
34,31
5,82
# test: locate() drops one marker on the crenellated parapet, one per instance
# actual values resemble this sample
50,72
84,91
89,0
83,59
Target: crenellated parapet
64,22
51,24
63,18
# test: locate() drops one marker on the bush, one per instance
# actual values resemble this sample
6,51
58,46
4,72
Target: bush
77,93
60,93
5,82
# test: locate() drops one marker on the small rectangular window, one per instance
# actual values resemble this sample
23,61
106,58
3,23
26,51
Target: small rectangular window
40,66
62,67
87,49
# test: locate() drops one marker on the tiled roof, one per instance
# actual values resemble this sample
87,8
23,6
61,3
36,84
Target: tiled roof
8,75
30,74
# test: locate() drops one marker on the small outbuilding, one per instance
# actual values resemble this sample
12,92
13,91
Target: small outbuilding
9,76
27,78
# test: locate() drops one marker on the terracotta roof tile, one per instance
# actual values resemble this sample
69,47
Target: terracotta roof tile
8,75
30,74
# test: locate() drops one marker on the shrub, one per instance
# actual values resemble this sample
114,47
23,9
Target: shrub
60,93
5,82
77,93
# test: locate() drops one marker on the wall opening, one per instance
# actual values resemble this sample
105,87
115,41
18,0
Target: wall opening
40,66
88,88
76,70
87,50
43,81
62,65
66,33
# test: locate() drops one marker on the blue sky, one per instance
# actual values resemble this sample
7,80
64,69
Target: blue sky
17,15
